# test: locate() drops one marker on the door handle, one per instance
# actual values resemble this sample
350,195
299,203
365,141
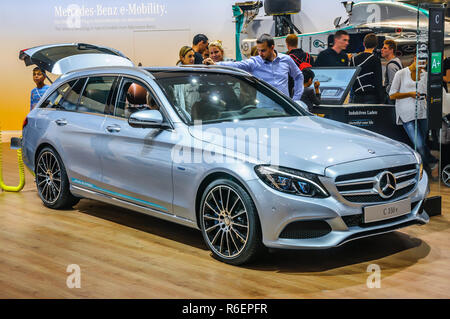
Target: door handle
61,122
113,128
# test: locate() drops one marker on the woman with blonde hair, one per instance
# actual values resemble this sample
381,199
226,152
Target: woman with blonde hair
187,56
216,52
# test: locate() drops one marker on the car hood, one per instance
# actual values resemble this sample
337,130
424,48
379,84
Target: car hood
308,143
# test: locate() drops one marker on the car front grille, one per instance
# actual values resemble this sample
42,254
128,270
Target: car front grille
362,187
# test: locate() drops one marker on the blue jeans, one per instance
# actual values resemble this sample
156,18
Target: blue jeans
421,145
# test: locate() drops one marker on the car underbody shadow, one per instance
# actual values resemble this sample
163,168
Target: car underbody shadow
143,222
370,250
375,249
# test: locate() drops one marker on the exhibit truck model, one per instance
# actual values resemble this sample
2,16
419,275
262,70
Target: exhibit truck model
135,138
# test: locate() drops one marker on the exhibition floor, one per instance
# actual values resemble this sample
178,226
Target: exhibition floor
123,254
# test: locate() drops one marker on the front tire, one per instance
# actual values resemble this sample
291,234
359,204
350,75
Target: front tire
229,223
51,180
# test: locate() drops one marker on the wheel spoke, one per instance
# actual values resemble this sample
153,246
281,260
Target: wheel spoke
43,181
215,201
238,234
234,243
228,244
209,217
238,214
47,164
212,227
52,189
221,199
53,165
239,225
212,208
44,191
228,198
215,237
221,242
40,167
235,202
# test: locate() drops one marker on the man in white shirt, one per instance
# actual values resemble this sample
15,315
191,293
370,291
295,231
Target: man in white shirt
392,66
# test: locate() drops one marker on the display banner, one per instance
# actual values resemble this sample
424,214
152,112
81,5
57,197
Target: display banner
435,49
150,33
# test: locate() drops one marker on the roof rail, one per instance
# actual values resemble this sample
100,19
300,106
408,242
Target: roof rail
215,66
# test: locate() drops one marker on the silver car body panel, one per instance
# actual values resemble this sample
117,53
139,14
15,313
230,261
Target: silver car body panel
133,168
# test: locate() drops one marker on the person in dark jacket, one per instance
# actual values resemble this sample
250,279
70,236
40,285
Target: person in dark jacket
368,87
199,44
335,56
300,57
311,96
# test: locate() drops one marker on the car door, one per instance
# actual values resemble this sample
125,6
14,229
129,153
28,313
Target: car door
137,164
77,121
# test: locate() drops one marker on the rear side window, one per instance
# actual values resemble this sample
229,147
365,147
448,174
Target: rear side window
55,99
70,101
96,94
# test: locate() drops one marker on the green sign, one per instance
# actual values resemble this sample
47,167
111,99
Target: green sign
436,62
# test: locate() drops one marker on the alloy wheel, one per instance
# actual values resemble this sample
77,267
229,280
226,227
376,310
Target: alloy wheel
446,175
48,177
225,221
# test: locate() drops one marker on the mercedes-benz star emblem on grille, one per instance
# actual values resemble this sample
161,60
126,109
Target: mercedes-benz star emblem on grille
371,151
386,184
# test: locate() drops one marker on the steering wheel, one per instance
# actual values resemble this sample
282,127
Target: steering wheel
248,108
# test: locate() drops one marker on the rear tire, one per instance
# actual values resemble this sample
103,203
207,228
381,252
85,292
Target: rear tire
230,223
51,180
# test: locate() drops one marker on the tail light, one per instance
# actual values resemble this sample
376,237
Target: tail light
25,122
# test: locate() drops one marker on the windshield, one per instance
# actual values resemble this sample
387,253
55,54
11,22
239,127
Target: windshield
217,97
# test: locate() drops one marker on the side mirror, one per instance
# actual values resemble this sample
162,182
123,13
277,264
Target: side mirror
336,22
146,119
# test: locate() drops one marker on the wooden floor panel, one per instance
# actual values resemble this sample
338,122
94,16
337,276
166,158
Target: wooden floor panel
123,254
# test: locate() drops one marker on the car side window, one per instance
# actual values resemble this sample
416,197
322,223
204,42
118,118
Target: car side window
70,101
96,93
134,96
54,100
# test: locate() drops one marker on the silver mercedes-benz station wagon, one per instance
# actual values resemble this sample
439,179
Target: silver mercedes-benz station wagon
216,149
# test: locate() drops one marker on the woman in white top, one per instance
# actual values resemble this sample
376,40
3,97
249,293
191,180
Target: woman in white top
403,91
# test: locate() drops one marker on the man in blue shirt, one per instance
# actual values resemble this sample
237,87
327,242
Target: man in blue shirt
40,89
271,66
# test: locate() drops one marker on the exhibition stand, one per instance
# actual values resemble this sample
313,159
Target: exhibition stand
378,118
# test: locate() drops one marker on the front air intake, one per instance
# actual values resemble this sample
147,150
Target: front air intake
306,229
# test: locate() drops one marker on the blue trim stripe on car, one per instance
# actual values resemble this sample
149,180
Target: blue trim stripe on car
90,185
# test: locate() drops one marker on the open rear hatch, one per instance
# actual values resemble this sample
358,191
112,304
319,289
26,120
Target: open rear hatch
62,58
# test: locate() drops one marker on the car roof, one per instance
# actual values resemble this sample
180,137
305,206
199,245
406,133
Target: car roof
198,68
150,71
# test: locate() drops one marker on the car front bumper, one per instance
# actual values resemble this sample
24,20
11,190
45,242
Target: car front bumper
277,210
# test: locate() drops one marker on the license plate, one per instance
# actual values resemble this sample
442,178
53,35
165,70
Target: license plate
386,211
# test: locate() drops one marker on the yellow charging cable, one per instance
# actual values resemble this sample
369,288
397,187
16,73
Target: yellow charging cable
21,172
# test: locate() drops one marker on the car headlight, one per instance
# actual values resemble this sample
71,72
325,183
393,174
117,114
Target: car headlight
419,163
291,181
